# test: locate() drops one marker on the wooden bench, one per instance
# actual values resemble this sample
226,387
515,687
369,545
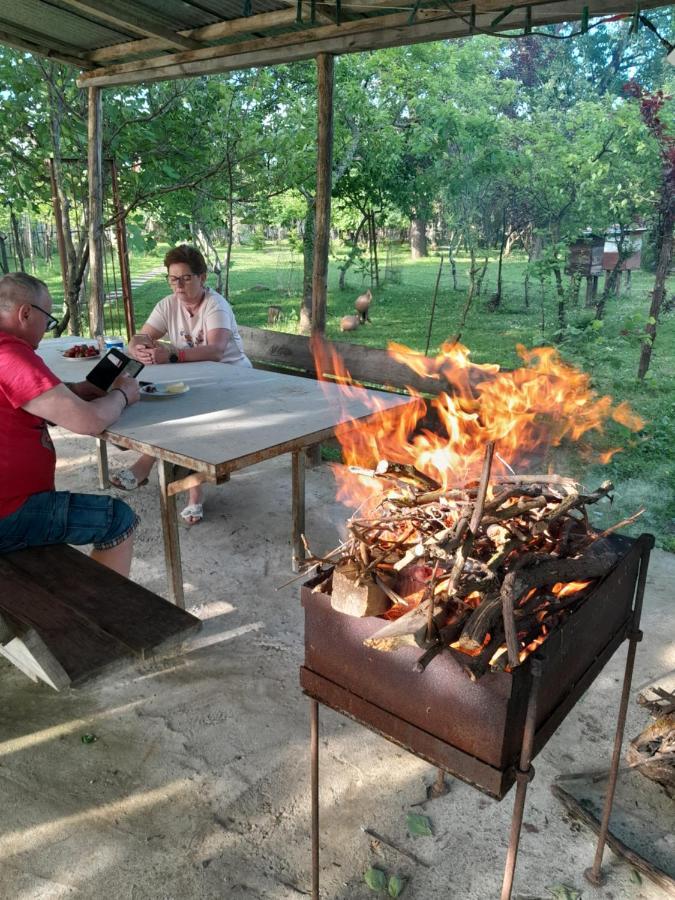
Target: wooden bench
291,353
65,617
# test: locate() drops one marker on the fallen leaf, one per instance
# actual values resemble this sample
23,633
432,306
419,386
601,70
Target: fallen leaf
531,828
635,876
375,879
88,738
564,892
396,886
418,825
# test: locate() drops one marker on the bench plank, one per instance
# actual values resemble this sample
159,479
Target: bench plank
122,609
78,648
71,616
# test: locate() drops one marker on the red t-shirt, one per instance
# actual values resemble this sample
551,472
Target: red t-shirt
27,457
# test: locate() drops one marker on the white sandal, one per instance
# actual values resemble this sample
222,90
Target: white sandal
194,511
125,480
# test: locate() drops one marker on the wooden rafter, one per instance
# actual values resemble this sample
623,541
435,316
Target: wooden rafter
126,15
25,39
350,37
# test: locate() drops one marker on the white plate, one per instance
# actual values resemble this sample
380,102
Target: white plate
161,391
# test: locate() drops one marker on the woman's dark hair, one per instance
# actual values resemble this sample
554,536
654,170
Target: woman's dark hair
188,255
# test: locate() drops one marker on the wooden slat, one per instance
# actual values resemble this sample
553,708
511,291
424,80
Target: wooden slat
107,601
218,31
350,37
365,364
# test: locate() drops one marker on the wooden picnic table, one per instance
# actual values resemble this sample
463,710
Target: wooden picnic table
232,417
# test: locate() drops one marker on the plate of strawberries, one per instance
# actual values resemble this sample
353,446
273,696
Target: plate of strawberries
82,351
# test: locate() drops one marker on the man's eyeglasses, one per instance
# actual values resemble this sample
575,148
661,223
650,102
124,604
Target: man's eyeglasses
182,279
52,323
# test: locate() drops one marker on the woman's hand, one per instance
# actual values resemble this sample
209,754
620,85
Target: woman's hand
158,354
138,347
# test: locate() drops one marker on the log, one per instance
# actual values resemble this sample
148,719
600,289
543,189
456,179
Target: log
357,597
654,752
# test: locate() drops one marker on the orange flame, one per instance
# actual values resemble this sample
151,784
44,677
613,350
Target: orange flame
526,411
571,587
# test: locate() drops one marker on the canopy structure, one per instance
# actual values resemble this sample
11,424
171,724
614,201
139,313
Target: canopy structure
125,42
121,42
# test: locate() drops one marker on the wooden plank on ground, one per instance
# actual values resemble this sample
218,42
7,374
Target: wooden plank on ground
100,598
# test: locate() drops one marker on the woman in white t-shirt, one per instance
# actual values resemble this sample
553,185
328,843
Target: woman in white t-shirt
199,325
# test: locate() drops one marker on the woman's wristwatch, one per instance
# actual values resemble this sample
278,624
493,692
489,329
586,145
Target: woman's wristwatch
174,357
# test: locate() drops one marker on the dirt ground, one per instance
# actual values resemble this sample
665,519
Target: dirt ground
197,785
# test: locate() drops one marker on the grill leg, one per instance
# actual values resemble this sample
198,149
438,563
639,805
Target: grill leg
314,741
594,873
524,774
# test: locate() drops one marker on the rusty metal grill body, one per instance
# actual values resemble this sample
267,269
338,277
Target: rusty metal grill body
476,731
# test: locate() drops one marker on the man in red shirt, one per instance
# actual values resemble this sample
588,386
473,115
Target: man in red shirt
32,512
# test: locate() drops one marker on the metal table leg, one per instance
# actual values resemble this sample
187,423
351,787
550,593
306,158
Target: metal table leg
298,506
174,567
102,462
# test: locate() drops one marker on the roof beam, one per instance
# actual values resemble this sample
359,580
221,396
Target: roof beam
351,37
218,31
33,42
127,16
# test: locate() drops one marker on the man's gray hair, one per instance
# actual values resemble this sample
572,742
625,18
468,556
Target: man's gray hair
17,286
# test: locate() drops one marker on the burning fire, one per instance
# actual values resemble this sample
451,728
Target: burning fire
525,411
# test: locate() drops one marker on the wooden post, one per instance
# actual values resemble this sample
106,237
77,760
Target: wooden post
95,169
324,166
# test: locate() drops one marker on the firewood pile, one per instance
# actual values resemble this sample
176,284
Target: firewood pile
484,571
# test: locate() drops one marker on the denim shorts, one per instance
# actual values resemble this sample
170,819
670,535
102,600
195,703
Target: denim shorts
59,517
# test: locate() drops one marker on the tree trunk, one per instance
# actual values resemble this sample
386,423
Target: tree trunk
373,228
418,238
230,225
664,242
307,269
496,298
560,290
18,252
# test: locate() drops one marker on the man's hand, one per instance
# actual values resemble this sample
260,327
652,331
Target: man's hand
130,386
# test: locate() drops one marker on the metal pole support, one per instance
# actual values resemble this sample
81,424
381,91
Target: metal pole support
524,775
594,873
314,741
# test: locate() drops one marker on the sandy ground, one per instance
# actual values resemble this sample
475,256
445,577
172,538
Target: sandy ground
198,784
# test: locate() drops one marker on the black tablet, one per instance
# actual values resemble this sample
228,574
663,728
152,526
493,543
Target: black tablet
114,363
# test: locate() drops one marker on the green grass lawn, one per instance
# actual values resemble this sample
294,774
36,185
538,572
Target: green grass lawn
643,472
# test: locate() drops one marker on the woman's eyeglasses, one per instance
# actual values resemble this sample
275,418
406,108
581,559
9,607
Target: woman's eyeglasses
52,323
182,279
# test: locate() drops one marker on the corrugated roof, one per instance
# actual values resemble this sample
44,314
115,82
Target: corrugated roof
127,41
